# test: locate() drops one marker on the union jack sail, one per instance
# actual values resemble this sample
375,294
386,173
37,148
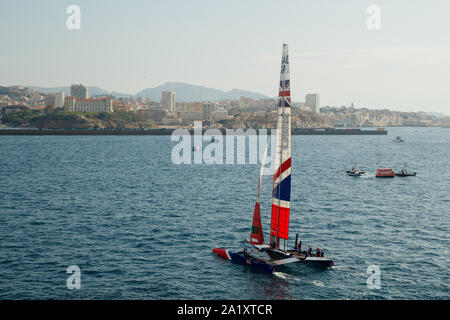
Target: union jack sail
281,192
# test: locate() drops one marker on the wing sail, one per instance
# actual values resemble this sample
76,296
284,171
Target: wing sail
281,195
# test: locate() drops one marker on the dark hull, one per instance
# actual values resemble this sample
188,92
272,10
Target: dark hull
405,175
247,260
302,256
276,259
239,257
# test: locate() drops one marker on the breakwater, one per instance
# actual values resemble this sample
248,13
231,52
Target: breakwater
162,132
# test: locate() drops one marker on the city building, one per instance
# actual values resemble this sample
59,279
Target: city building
88,105
13,109
50,99
207,109
168,100
54,99
189,116
59,99
312,101
157,115
219,115
78,91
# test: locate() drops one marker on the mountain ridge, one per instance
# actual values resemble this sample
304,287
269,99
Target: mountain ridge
185,92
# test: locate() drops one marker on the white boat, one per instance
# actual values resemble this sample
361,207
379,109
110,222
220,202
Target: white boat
355,172
398,139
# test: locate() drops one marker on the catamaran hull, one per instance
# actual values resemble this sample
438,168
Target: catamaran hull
405,174
239,257
319,262
279,256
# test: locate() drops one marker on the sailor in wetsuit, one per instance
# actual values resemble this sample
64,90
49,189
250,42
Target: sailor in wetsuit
273,245
309,250
299,246
318,252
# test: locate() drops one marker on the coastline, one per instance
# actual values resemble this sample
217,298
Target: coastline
163,132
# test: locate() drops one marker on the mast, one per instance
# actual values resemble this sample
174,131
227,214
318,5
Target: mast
281,192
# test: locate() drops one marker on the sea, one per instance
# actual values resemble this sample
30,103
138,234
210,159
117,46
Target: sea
137,226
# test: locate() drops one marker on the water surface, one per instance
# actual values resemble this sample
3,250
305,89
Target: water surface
140,227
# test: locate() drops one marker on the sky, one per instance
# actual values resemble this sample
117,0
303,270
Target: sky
127,46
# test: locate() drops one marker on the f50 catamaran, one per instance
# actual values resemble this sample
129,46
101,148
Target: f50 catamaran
269,256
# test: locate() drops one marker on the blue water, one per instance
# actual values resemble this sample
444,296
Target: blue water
140,227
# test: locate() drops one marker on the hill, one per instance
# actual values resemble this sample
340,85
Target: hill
93,91
188,93
184,92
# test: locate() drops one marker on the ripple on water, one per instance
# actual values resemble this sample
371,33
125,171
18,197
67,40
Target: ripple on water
140,227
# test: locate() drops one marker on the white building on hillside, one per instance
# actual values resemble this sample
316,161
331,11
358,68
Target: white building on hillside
312,101
168,100
88,105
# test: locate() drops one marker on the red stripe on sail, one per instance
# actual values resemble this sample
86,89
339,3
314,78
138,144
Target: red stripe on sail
256,236
283,222
286,165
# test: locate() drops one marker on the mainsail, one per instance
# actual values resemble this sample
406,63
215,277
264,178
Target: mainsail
281,194
256,236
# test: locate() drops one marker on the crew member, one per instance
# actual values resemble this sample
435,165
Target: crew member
309,250
318,252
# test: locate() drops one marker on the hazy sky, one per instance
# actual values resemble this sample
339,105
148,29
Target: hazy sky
127,46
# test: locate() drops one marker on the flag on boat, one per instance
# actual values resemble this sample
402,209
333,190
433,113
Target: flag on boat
281,192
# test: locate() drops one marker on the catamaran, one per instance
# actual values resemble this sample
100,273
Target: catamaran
276,253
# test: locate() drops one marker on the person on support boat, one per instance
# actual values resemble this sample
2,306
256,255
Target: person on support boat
322,253
309,250
318,252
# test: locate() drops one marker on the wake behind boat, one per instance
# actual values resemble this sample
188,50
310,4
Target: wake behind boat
256,253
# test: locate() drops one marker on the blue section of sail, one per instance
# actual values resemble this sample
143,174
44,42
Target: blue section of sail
283,190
